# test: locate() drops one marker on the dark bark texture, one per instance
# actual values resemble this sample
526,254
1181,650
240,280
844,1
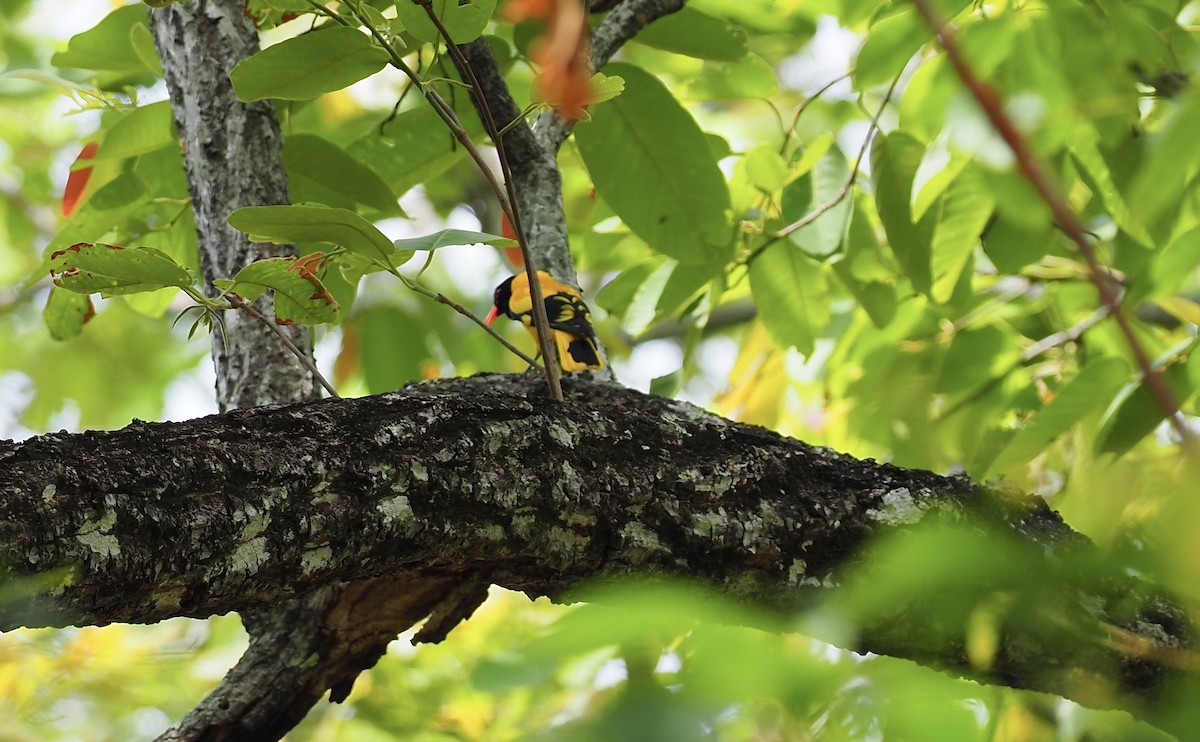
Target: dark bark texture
445,487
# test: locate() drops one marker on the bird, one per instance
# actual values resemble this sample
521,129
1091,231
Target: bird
570,319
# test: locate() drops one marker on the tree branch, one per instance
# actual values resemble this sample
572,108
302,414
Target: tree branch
465,482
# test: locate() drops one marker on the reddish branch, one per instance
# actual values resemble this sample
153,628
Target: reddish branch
1029,166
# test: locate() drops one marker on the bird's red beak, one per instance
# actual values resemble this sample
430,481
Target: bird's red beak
492,315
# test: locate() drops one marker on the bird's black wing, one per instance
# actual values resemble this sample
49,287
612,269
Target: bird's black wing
569,314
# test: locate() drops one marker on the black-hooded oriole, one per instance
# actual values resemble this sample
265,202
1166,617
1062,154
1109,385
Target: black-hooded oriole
569,318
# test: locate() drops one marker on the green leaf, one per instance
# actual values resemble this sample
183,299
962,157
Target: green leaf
695,34
319,170
392,345
1170,269
770,16
1011,245
1090,391
306,66
789,290
465,20
124,191
765,168
960,217
617,296
142,42
823,236
142,130
937,171
66,313
106,46
1172,164
313,223
748,77
652,164
894,162
415,148
605,87
448,237
891,42
863,272
112,270
1085,149
1136,415
299,294
804,161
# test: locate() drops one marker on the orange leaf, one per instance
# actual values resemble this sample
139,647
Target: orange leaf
562,53
78,179
516,11
513,254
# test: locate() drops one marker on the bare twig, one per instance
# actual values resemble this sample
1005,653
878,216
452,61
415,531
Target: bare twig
443,299
787,135
1029,167
1069,335
237,303
443,109
844,191
541,320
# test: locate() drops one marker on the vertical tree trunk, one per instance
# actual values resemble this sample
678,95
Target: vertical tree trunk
232,154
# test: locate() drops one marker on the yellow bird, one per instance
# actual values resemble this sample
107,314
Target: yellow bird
570,319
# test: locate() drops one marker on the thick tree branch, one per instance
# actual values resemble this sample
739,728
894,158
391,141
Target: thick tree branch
467,482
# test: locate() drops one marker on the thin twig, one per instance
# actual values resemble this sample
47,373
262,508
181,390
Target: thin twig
787,135
443,109
840,196
307,362
1029,167
443,299
541,320
1063,337
503,195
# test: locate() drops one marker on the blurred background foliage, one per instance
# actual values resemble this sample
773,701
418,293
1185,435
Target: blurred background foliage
935,317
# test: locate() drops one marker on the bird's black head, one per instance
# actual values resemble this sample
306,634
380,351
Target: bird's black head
501,297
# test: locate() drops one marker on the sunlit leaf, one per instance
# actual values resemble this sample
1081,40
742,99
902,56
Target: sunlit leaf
815,190
748,77
1088,393
894,162
143,130
890,43
107,46
691,32
1136,414
959,216
790,291
447,237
